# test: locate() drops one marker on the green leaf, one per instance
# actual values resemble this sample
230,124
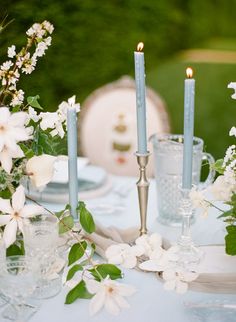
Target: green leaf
66,224
5,194
226,214
230,240
73,270
14,250
78,292
218,166
33,101
76,252
103,270
59,214
45,143
29,153
86,218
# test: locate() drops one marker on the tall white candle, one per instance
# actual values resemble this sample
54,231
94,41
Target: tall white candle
189,94
72,159
140,99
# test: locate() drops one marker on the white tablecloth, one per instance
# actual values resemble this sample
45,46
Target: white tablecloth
151,303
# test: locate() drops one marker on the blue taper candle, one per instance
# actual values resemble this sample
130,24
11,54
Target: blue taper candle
189,94
72,159
140,99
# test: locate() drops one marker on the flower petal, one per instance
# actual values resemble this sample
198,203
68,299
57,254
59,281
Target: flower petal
170,285
111,306
181,287
169,274
93,286
5,206
4,219
150,265
41,169
9,235
97,302
120,301
31,210
18,198
125,289
113,250
129,261
116,260
137,250
4,114
6,160
18,119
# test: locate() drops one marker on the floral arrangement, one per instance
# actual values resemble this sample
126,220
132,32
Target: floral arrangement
30,142
224,190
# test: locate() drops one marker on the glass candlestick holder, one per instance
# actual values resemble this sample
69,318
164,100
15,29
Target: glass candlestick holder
189,254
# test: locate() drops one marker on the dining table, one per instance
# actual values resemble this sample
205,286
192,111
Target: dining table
151,302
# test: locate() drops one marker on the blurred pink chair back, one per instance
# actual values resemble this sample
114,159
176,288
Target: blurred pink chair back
107,126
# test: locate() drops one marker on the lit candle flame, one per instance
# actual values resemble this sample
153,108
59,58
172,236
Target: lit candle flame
140,46
189,72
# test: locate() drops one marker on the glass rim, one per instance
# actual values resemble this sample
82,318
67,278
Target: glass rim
178,138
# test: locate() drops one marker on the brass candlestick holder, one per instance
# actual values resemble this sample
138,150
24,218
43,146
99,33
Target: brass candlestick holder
143,186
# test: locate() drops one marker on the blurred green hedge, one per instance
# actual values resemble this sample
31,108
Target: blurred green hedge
93,42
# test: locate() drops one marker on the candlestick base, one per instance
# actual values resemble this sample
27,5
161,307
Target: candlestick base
189,255
143,187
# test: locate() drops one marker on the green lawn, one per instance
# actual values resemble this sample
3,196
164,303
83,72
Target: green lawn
215,111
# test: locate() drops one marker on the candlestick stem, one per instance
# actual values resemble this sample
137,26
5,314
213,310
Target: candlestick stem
188,253
143,187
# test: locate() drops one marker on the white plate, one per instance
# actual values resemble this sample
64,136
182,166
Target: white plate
93,182
61,168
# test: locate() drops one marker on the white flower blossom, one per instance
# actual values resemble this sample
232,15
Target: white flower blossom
40,169
109,294
222,189
199,200
229,154
21,60
36,30
11,52
177,279
56,120
59,130
6,156
48,120
18,98
6,65
48,41
149,244
14,212
28,68
48,26
229,174
32,115
233,85
161,259
123,254
40,49
63,107
232,131
12,131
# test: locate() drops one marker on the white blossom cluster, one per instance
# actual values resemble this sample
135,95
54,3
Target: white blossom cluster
24,61
55,121
224,186
148,254
14,129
